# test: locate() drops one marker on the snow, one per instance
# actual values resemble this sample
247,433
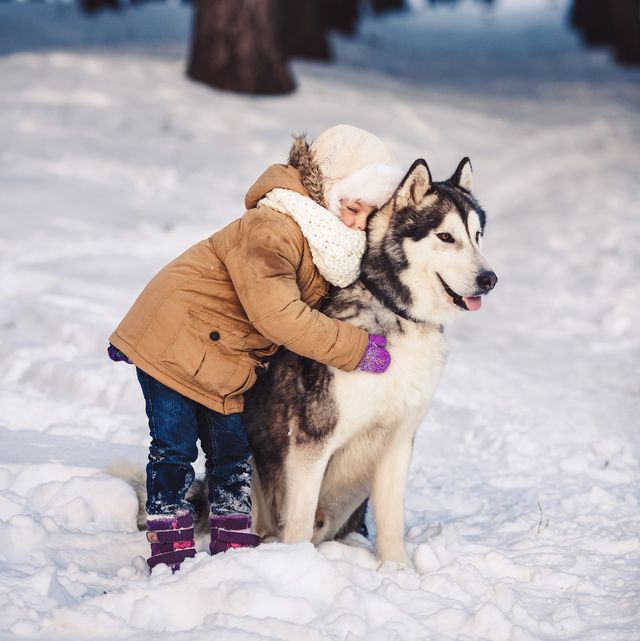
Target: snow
522,505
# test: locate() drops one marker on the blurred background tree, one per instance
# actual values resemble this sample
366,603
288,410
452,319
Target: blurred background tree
235,45
244,45
610,22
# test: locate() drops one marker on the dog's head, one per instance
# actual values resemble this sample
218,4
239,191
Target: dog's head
423,250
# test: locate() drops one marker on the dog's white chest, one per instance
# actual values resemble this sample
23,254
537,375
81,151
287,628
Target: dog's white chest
402,392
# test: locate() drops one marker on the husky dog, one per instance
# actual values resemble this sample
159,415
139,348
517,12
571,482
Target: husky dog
324,440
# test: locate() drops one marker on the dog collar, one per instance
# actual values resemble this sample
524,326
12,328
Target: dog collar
389,303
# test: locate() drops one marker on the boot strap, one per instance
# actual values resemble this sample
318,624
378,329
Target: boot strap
162,522
159,548
240,538
168,536
171,558
230,521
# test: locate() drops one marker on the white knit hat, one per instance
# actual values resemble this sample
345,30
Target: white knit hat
355,164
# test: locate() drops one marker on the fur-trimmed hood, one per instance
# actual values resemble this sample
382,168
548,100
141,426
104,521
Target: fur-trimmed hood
372,183
275,176
301,158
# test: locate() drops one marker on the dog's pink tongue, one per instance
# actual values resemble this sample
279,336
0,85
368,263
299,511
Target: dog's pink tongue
472,302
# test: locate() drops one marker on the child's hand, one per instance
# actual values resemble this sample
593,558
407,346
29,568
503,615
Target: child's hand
376,358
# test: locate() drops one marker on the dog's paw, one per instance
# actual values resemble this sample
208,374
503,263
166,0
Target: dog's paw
392,567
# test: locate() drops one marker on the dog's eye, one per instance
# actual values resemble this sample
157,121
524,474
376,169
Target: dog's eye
477,237
445,238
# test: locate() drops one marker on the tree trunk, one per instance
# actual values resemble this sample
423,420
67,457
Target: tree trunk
626,30
380,6
92,6
593,18
342,15
303,29
234,46
577,13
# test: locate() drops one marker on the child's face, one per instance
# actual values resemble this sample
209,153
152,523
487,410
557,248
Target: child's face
354,213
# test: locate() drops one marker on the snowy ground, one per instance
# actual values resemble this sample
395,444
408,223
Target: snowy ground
522,508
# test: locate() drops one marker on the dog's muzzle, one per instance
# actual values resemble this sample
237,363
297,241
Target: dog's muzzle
485,281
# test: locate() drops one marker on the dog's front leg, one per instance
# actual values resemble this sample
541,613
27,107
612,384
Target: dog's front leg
387,496
305,470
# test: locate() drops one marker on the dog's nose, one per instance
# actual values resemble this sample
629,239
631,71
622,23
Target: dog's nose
487,281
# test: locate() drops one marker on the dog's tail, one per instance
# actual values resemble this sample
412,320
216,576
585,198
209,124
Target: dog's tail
135,476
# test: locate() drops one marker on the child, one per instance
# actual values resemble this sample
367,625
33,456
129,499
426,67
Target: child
204,324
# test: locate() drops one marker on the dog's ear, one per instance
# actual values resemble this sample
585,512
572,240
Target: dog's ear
463,175
414,185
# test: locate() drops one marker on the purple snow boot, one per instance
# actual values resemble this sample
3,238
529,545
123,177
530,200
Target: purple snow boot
231,531
171,539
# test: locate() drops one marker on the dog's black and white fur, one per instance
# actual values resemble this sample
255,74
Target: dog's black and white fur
325,440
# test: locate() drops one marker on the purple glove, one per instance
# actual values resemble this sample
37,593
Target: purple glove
376,359
116,355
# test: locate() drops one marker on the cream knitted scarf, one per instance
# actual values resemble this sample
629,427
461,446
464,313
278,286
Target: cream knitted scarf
335,248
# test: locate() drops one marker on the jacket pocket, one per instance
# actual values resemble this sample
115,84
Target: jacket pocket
242,379
207,351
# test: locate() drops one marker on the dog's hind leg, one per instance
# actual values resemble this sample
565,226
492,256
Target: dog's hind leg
305,468
263,518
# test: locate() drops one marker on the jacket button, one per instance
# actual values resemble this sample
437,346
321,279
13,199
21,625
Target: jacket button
214,336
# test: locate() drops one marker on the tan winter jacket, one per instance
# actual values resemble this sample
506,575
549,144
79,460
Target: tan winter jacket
205,322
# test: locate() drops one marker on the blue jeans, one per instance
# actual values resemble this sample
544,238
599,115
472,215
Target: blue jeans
176,423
